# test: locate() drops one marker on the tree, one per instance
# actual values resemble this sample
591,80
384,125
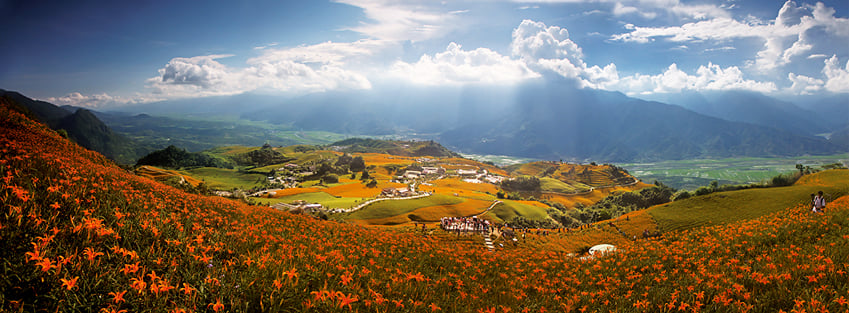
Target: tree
357,164
522,183
372,183
365,175
330,179
343,160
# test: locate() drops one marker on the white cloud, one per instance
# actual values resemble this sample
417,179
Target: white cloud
201,71
536,43
621,9
458,66
837,78
797,30
266,46
401,21
302,69
804,85
673,80
195,76
99,100
649,8
817,56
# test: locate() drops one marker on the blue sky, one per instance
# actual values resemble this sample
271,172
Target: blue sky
110,53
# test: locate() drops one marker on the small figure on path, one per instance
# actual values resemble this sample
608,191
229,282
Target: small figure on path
819,202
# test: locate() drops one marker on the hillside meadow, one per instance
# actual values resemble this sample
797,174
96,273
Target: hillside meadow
79,234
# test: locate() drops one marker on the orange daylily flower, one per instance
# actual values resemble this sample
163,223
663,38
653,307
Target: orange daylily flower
69,283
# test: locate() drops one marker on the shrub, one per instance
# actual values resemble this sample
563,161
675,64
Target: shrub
681,195
330,179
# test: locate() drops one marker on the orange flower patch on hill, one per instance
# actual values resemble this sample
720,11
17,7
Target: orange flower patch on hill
162,174
360,190
379,159
454,183
291,191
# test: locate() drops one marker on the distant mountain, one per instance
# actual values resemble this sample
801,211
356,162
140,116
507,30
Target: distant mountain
753,108
833,109
840,138
553,122
83,127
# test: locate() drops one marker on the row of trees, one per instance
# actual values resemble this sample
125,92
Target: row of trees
174,157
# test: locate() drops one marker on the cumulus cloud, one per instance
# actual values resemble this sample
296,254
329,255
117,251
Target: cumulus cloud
458,66
804,85
706,77
534,40
837,78
547,48
302,69
796,31
202,71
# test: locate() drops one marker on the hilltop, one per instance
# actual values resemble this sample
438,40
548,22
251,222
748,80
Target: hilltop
80,234
401,148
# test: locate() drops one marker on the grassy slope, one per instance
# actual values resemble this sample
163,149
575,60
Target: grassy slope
725,207
548,184
508,209
389,208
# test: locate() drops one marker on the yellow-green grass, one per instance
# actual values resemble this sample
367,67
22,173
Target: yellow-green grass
390,208
508,209
725,207
553,185
325,199
225,179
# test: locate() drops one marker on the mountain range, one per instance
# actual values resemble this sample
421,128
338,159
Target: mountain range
544,119
555,120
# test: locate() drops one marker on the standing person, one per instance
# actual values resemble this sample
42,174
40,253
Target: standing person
813,202
819,202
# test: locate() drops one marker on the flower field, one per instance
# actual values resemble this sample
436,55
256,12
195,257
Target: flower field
80,234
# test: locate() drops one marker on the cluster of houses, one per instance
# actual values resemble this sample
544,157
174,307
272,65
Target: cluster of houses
397,192
427,170
478,177
299,205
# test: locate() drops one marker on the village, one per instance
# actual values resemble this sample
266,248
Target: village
294,175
